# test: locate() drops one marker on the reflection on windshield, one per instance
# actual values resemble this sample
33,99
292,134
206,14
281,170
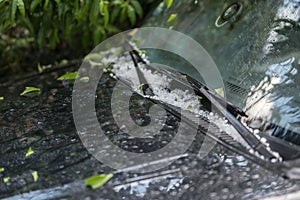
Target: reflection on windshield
256,53
276,98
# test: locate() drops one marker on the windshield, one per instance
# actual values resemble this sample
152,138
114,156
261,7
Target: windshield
256,49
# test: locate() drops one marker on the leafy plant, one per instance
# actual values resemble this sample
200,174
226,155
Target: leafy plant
61,28
61,20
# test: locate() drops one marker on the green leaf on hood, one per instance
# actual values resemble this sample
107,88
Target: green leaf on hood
31,91
68,76
35,176
189,107
29,152
97,180
6,179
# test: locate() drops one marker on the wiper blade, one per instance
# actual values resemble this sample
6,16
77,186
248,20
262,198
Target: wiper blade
195,85
222,106
249,137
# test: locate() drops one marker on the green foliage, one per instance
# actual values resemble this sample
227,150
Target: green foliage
21,7
68,76
72,27
35,176
97,180
6,179
168,3
189,107
220,91
59,20
29,152
30,92
171,18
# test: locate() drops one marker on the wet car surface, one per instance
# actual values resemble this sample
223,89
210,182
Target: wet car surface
45,123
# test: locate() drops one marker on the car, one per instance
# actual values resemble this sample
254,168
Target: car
153,123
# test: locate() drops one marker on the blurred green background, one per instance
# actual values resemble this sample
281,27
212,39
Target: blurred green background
43,32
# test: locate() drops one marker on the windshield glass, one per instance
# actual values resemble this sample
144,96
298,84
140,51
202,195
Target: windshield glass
255,45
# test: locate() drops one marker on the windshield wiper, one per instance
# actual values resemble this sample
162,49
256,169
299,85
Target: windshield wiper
228,110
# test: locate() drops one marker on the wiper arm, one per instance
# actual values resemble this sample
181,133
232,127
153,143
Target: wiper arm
144,86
